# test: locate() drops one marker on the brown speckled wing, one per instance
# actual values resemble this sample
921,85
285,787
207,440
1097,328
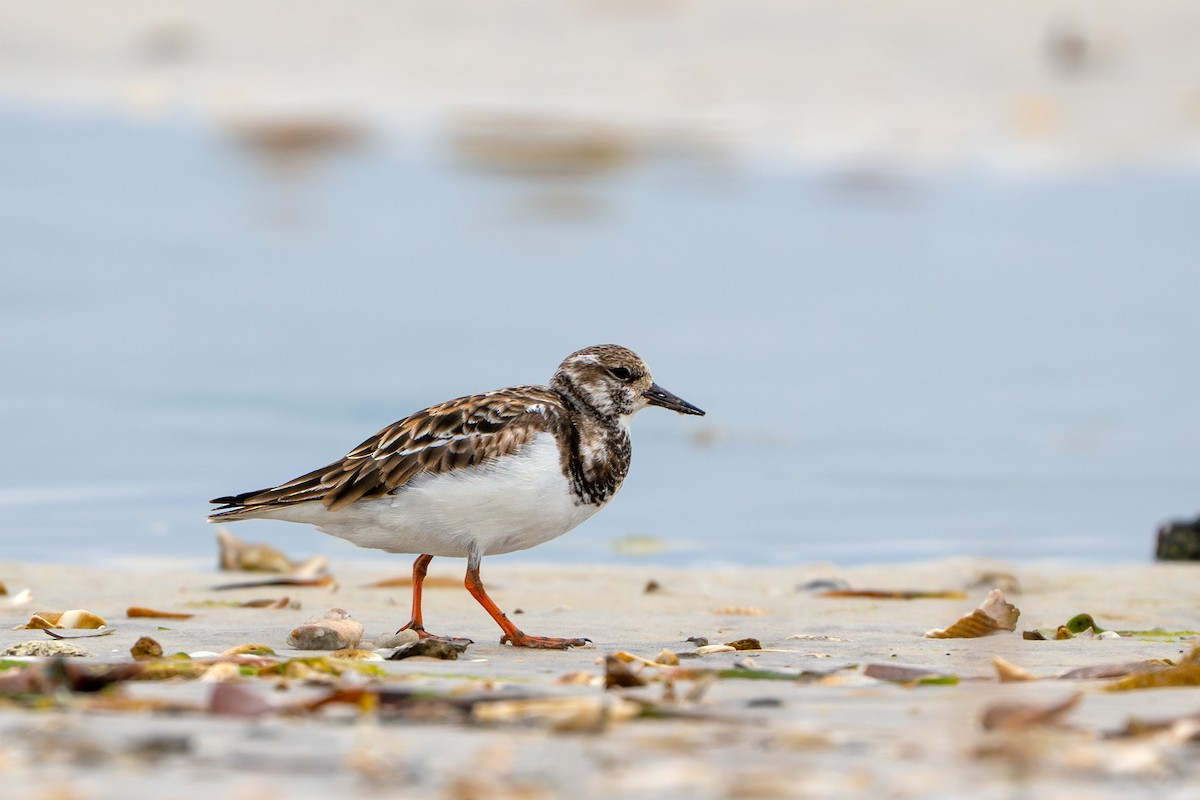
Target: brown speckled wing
455,434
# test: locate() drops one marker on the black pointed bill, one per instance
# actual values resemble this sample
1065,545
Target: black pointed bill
658,396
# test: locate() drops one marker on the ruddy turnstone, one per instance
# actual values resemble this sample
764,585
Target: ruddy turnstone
481,475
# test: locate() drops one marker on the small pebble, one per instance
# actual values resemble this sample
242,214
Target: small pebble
337,630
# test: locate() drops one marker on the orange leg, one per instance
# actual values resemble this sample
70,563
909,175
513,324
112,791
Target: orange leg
512,634
420,567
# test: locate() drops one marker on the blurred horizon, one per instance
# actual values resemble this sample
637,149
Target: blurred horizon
931,277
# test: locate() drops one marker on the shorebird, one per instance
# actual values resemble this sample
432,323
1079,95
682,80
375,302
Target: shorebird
481,475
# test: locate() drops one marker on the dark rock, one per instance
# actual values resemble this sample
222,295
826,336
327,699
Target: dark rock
1179,541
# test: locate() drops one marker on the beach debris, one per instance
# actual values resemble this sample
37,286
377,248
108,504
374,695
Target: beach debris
812,637
894,673
741,611
1184,728
405,582
145,649
3,589
699,641
76,618
745,644
21,598
637,545
1009,717
431,647
619,674
234,700
45,649
1009,672
823,584
1185,673
356,654
319,581
141,611
996,579
1178,540
667,658
1099,671
898,594
651,587
335,630
714,648
236,555
248,650
544,146
266,602
994,615
589,712
383,641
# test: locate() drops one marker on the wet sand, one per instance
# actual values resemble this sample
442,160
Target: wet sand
726,735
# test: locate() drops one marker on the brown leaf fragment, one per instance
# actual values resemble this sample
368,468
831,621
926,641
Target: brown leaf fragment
145,649
1009,672
141,611
278,603
405,582
1011,717
745,644
238,701
898,594
619,674
1098,671
994,615
336,630
652,586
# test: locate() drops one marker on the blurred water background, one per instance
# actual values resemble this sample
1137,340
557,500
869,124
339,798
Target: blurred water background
920,325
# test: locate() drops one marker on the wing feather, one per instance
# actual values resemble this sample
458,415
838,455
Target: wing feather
460,433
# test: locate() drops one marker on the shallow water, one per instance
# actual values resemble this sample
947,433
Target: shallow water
894,366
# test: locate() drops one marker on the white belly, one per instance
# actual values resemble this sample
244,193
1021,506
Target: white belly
517,502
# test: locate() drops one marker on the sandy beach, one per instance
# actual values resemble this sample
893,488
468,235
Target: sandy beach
543,724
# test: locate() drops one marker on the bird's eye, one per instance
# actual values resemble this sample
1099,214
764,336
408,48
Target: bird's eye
621,373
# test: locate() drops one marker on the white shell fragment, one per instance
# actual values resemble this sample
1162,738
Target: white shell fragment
994,615
337,630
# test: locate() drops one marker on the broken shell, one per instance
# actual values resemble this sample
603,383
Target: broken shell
715,648
42,649
249,650
75,618
222,672
1009,672
1016,716
336,630
385,641
994,615
666,658
355,654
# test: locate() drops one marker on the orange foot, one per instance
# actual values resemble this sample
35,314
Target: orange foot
541,642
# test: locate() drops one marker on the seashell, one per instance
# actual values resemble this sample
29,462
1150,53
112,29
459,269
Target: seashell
336,630
23,597
45,648
1009,672
715,648
1017,716
666,658
386,641
235,554
75,618
994,615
